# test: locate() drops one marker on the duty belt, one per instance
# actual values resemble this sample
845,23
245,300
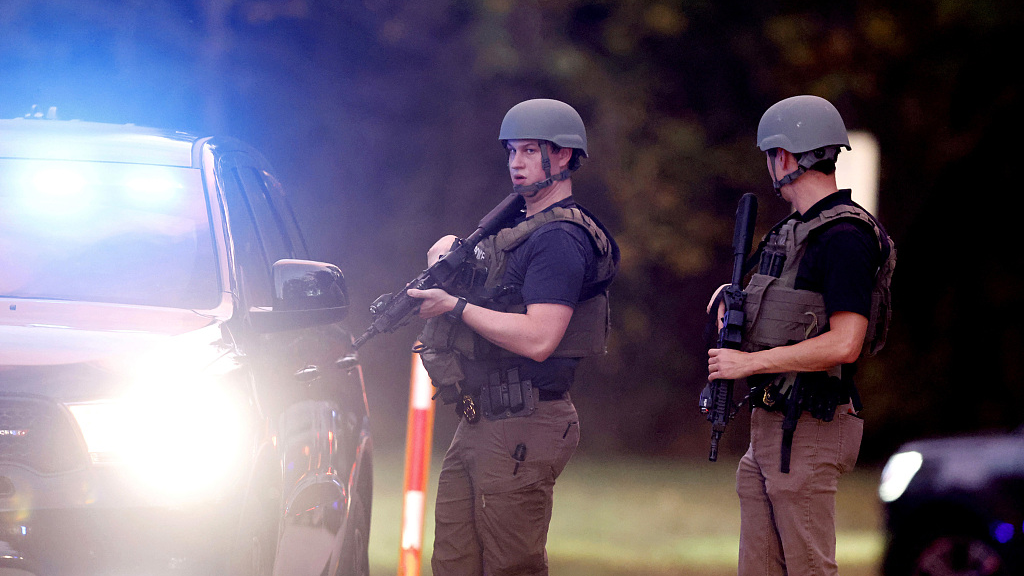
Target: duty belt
820,398
504,395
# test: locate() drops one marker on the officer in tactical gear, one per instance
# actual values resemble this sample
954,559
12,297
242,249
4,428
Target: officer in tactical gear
504,347
818,298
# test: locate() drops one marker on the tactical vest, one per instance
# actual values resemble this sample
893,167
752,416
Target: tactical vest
444,340
777,314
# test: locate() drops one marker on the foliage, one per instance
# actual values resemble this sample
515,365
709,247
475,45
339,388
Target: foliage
383,115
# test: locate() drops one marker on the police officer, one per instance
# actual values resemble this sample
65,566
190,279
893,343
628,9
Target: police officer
819,297
505,353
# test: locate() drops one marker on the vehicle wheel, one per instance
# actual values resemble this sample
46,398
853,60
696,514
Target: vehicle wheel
358,556
958,556
355,553
254,555
258,529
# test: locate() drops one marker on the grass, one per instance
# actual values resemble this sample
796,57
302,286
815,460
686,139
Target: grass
615,517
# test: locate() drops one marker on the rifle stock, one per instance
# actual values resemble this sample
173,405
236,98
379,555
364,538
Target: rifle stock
718,406
393,311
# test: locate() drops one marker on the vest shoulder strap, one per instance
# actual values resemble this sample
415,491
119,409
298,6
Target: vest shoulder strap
845,211
509,239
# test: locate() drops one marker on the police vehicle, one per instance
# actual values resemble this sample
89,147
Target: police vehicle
177,395
955,507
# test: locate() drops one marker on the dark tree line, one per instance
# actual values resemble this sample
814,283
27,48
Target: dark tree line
382,117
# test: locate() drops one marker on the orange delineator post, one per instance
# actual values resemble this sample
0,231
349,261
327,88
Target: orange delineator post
418,438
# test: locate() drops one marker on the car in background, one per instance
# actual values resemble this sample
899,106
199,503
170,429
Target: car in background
955,506
177,395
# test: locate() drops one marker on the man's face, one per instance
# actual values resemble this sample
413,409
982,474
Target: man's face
524,162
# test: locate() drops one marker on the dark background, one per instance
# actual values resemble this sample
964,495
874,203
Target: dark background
381,117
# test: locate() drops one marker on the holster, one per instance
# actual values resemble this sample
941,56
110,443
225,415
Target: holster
820,397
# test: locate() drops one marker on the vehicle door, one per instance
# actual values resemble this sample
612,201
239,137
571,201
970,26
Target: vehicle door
315,409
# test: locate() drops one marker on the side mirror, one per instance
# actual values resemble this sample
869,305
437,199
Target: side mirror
306,285
306,293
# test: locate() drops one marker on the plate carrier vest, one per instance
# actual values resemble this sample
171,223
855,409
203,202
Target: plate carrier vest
777,314
445,342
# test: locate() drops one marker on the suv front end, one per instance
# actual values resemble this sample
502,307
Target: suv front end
169,399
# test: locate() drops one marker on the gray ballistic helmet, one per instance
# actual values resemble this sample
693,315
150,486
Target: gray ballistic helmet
545,119
808,127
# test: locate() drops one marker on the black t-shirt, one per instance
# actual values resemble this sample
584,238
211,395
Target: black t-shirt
552,265
841,260
557,264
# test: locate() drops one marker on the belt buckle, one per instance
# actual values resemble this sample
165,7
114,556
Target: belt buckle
767,399
467,409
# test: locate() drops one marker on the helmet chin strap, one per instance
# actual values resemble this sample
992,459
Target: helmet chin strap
806,160
545,161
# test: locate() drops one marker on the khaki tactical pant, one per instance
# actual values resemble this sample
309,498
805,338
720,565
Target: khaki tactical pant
493,512
787,521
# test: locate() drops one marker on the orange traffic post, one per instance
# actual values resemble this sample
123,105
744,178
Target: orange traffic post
418,438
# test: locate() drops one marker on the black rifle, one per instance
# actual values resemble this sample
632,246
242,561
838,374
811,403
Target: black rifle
393,311
716,401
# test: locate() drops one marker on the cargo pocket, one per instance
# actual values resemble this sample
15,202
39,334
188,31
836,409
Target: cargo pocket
512,527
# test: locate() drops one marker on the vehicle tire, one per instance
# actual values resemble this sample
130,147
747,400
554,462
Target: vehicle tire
958,556
255,544
948,554
360,539
355,551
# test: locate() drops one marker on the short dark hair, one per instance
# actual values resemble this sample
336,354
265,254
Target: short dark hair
574,161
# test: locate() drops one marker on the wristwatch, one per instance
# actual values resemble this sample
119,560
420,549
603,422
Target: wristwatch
456,313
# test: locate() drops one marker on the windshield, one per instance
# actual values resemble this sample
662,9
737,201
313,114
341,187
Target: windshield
105,232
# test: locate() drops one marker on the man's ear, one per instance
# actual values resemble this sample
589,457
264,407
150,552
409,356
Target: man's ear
789,161
561,158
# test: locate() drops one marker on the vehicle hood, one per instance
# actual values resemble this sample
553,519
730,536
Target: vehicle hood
970,462
72,350
41,333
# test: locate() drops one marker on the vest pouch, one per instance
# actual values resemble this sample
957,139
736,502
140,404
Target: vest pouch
441,350
506,396
444,367
777,316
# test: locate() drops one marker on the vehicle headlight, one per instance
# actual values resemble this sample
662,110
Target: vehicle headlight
183,438
897,474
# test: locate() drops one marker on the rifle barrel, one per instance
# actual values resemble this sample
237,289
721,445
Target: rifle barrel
743,235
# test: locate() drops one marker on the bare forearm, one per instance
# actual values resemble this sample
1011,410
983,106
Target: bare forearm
813,355
534,335
840,345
